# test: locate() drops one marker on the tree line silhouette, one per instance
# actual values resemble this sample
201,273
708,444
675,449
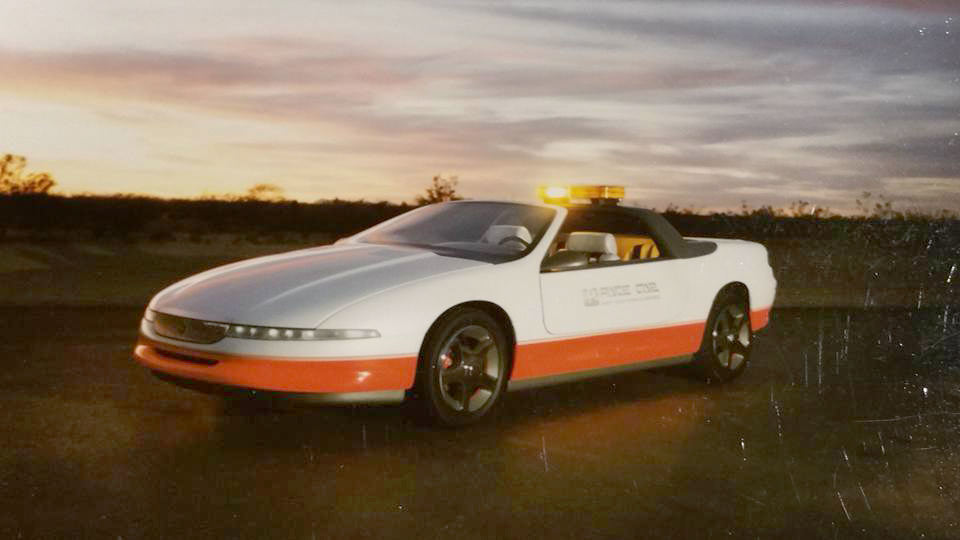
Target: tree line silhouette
15,181
29,210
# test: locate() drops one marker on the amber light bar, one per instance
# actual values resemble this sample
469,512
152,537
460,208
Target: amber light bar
597,192
593,193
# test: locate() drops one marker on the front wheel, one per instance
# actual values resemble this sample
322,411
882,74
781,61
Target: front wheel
727,340
463,368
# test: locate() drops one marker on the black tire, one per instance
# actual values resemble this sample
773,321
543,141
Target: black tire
727,339
463,368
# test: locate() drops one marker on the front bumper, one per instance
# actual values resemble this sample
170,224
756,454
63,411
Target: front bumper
345,380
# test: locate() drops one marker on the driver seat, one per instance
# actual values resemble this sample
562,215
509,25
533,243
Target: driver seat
503,233
601,247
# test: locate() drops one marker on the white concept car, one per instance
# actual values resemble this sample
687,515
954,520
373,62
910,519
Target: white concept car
455,303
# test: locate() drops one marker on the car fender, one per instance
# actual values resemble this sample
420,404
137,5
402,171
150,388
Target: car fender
734,261
403,315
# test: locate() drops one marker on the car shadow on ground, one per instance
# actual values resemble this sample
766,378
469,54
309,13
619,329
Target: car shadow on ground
284,421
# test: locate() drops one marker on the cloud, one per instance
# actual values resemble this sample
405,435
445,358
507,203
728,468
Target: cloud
858,36
701,103
909,157
920,191
614,82
273,74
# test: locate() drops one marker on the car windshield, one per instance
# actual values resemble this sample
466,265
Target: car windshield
489,231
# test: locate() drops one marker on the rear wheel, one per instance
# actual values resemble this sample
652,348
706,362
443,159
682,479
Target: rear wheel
463,368
728,338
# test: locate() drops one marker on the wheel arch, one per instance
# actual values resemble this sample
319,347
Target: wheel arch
736,287
490,308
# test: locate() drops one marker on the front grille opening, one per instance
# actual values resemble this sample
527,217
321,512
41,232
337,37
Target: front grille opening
187,358
185,329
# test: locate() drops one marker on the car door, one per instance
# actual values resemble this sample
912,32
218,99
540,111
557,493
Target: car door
608,298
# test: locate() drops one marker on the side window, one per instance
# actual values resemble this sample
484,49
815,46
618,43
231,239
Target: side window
634,240
591,237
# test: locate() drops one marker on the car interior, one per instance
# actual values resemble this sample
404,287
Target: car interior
513,236
583,248
597,236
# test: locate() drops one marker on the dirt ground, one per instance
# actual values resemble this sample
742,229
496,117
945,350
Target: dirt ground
844,426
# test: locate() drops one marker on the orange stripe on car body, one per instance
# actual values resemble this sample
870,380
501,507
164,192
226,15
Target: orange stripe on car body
531,360
546,358
759,318
282,374
570,355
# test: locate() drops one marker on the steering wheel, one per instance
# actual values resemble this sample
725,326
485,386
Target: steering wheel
512,238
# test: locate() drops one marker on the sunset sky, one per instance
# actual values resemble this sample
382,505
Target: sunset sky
702,104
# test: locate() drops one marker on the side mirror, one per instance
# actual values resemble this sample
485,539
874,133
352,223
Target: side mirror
564,260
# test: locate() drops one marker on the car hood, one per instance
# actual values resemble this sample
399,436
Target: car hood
301,289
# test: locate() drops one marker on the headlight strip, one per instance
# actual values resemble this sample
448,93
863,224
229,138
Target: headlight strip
171,324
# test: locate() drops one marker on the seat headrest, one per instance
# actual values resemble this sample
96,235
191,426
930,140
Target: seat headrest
592,242
496,233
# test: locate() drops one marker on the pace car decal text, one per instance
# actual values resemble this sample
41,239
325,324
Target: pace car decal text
617,294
